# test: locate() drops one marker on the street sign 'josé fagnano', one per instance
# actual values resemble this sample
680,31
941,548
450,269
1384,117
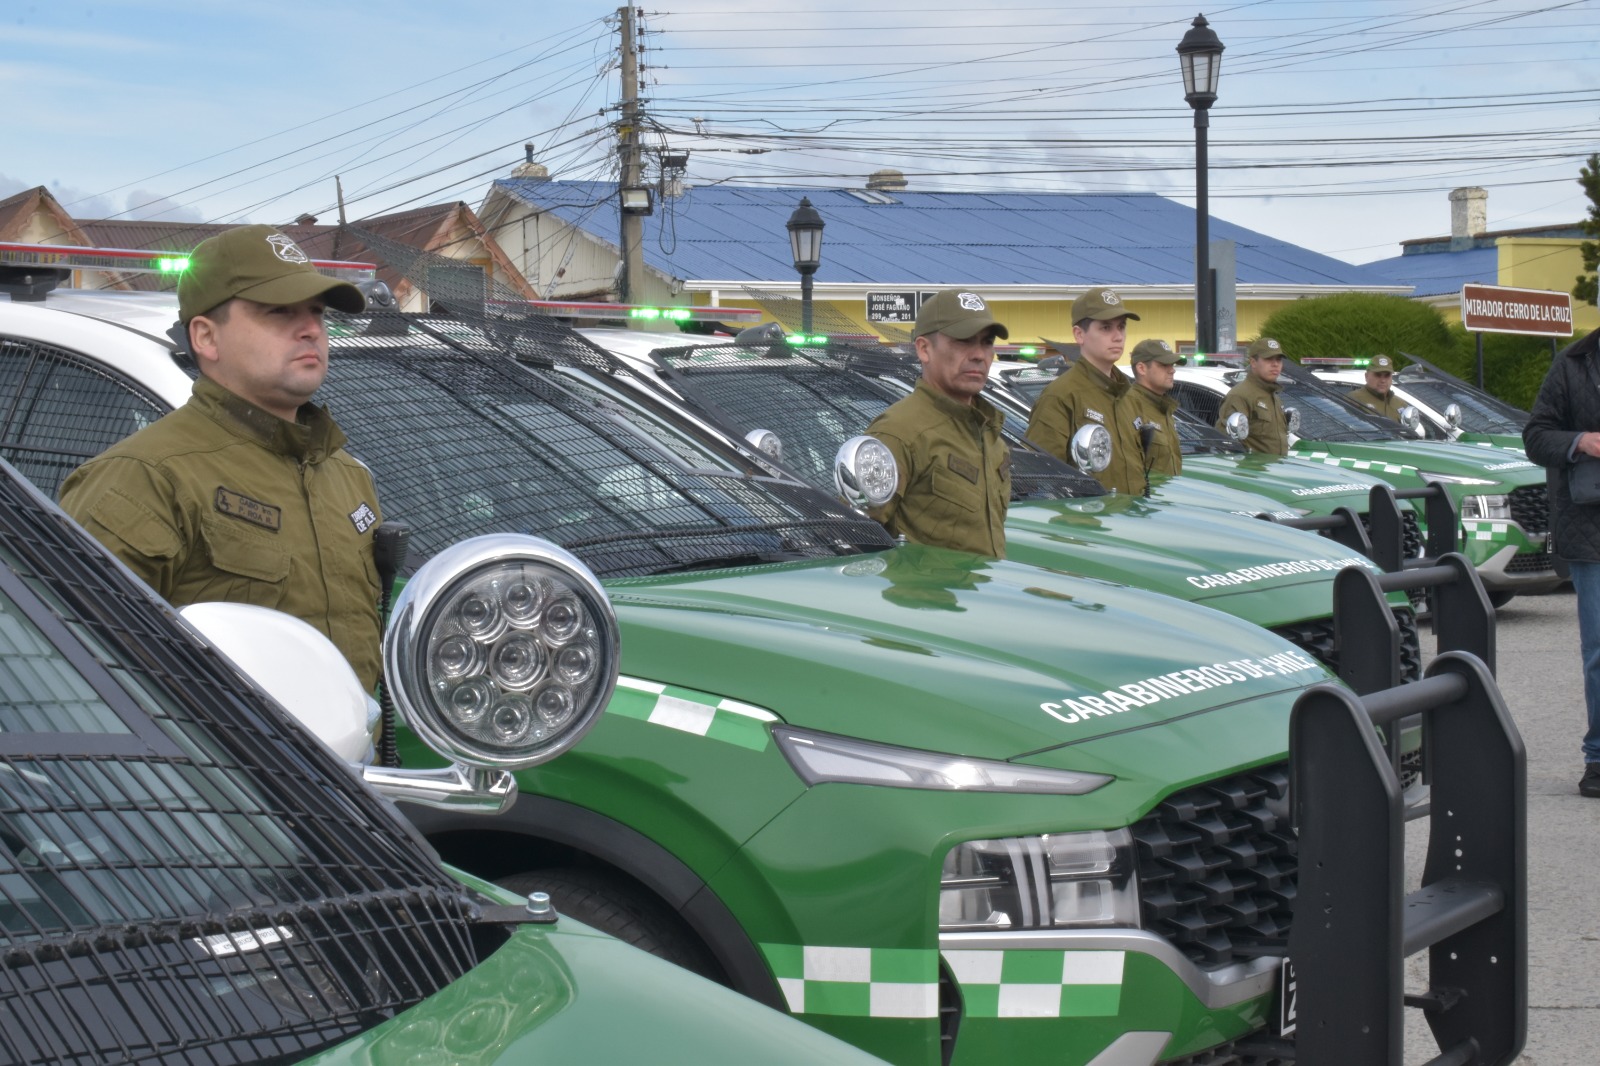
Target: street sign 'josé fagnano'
1492,309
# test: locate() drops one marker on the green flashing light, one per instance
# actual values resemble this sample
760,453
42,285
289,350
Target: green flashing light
172,266
794,338
672,314
1363,362
645,312
1199,360
1028,352
818,339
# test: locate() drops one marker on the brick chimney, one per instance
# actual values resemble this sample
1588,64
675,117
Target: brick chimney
886,180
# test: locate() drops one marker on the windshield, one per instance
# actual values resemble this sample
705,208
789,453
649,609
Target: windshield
184,872
464,440
815,399
1327,416
1479,413
1197,438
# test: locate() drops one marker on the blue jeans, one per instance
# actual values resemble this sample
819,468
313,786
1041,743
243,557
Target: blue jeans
1586,582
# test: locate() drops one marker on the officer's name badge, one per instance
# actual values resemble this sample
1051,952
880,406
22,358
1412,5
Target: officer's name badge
363,518
964,469
1261,404
238,505
1096,415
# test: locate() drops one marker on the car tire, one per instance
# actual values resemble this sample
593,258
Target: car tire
1500,599
616,904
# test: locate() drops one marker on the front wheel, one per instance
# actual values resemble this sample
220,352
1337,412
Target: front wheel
1500,599
616,904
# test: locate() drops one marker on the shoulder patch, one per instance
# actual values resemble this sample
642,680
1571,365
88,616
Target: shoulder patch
363,518
238,505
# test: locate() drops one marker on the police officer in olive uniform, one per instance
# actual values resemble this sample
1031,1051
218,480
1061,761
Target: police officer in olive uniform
1377,395
1257,398
246,493
1093,392
955,467
1151,404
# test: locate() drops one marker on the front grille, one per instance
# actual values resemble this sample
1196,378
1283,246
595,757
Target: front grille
1534,562
1217,867
1530,508
1315,637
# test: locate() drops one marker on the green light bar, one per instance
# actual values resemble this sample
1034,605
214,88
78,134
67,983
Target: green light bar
1199,360
1027,350
674,314
172,266
801,338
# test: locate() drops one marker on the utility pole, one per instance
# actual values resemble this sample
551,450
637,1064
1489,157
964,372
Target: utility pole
631,152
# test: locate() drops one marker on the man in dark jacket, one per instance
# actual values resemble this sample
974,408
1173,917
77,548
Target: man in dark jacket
1563,432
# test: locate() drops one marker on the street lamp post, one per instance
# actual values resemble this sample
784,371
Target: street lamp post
805,244
1200,54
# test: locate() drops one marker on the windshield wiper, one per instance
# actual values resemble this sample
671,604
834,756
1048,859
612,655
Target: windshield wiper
729,561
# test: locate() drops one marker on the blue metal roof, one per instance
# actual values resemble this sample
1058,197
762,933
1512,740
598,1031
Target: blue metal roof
1441,273
736,233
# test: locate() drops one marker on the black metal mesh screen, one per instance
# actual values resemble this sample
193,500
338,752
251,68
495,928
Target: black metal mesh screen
185,875
817,397
58,410
463,440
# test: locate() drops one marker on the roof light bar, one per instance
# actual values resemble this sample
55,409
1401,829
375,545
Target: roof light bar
1334,361
642,312
136,261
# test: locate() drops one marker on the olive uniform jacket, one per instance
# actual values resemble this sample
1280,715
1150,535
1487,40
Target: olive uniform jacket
1258,400
1387,406
1084,396
221,500
955,472
1148,409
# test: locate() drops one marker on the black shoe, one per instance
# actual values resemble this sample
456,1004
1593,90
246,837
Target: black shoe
1590,785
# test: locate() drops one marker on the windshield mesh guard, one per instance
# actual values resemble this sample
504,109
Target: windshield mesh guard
231,896
815,397
463,440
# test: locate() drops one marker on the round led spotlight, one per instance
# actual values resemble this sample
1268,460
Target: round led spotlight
502,651
865,473
1091,448
766,442
1411,420
1452,415
1291,417
1237,425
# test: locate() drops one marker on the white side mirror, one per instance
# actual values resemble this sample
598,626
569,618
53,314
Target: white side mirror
1091,448
865,473
1237,426
766,442
298,667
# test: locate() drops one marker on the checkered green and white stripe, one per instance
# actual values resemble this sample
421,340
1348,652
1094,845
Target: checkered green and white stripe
1038,984
857,982
1484,529
688,711
904,982
1372,465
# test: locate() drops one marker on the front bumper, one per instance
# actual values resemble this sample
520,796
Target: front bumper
1508,560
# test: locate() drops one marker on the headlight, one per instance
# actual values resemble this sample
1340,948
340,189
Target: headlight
865,473
1060,880
502,651
1486,507
1453,479
824,757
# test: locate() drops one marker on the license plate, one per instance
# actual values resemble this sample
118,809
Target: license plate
1287,998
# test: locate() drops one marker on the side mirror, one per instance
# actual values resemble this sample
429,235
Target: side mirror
1291,415
1452,415
1091,449
1411,421
865,473
321,692
766,442
1237,426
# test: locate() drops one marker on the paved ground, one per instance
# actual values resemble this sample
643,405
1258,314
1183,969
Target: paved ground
1541,679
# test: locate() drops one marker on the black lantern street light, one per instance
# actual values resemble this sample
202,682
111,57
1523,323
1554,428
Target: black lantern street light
1200,54
805,244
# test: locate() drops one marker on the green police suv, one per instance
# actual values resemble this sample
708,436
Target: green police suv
948,808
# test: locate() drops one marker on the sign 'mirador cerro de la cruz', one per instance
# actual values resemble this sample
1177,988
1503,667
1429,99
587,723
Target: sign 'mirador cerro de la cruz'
1494,309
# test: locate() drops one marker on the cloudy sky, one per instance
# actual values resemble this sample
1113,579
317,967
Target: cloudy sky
1339,126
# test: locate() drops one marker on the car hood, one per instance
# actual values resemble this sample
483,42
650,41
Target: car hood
1288,480
1193,492
1412,458
946,651
1263,572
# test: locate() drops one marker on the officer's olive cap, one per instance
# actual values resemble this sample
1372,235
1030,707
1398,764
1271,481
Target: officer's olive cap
1264,348
1154,351
257,263
1100,304
1381,363
957,313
